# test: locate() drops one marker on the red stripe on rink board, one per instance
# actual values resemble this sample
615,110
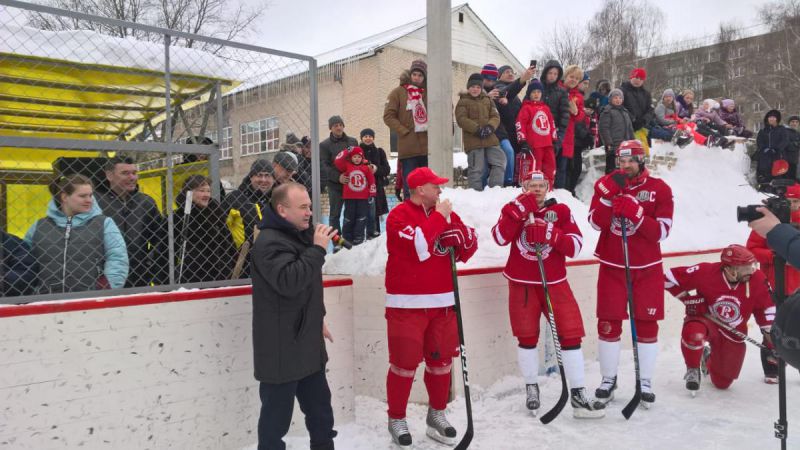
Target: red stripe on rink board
139,299
233,291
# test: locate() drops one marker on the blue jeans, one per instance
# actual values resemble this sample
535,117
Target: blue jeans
508,176
410,164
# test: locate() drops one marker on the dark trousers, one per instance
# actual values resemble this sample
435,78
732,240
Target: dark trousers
562,164
355,220
575,170
611,160
335,203
410,164
277,405
373,220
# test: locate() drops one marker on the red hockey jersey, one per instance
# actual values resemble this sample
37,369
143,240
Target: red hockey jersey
522,265
535,124
360,179
418,269
644,248
731,304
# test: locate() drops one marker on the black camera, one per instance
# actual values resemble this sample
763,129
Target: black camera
778,204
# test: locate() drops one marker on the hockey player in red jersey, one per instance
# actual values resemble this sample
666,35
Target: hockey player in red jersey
645,204
529,225
730,291
420,315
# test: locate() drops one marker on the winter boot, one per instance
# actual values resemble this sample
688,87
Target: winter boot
398,428
692,378
605,393
532,398
648,397
582,408
439,429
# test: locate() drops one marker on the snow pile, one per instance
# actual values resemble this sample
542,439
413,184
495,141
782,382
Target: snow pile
707,183
89,47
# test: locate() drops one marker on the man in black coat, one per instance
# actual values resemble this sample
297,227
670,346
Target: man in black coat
773,143
288,312
139,221
639,104
556,98
17,266
329,175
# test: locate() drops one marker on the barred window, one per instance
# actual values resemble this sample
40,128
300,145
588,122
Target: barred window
260,136
226,145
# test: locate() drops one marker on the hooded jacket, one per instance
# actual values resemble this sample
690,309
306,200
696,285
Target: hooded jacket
732,118
638,102
287,302
401,120
144,230
209,246
556,98
472,113
614,126
775,138
666,115
86,262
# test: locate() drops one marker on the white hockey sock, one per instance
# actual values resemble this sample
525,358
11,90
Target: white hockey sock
573,366
609,358
647,359
528,359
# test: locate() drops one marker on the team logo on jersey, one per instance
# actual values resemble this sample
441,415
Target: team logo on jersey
726,308
540,124
643,196
358,180
550,216
528,251
630,227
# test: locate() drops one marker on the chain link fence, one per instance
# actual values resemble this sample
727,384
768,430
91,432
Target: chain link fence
130,164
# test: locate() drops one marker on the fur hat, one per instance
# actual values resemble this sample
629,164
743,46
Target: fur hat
367,132
638,73
489,71
475,79
334,120
534,85
615,92
419,66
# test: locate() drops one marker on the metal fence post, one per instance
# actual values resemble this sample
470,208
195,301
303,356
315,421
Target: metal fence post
213,161
168,140
316,188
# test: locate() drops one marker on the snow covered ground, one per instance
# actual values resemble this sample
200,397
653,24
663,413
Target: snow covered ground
707,183
739,418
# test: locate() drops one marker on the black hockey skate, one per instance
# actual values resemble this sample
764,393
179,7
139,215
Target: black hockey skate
532,398
439,429
582,408
692,378
605,393
398,428
704,359
648,397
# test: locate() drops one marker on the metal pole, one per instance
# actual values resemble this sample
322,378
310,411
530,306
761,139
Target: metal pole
316,188
213,160
440,87
168,140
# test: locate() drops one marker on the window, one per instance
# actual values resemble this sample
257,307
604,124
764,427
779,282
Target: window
260,136
713,56
756,107
737,53
739,72
226,145
779,106
778,66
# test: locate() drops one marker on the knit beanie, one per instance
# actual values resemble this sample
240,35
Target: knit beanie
260,165
475,79
728,102
534,85
668,92
490,72
585,76
616,91
419,65
503,69
287,160
356,151
367,132
334,120
638,73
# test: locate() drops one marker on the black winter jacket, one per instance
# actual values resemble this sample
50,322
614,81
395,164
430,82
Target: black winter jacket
209,245
639,104
556,98
377,156
328,149
777,138
19,269
288,307
509,111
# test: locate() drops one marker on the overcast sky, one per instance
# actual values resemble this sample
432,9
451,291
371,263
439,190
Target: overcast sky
315,26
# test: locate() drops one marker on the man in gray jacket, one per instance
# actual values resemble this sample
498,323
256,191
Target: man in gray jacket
139,221
330,175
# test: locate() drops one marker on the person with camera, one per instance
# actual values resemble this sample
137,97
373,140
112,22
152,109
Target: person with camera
644,204
420,314
537,229
288,313
730,299
782,238
758,245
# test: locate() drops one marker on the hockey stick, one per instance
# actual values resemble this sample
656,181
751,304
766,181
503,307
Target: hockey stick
549,416
240,260
467,438
737,333
628,410
187,211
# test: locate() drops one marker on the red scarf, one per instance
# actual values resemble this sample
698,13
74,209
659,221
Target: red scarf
415,104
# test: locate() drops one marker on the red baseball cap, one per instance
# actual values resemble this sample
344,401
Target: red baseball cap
424,175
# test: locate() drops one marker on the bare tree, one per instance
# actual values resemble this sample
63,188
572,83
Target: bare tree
225,19
569,44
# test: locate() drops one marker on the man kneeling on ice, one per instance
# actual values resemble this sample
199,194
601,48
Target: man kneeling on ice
728,292
536,228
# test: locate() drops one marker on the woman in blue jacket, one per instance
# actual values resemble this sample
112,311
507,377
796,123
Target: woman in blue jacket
76,246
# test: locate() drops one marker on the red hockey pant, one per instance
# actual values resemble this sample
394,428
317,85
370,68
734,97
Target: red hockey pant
526,303
727,356
545,158
413,335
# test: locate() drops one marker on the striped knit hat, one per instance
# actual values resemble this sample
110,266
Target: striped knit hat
490,72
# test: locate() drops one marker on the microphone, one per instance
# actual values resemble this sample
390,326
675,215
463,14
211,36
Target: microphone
339,240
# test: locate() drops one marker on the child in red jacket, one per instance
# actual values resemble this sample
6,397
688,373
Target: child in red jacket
536,130
356,193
